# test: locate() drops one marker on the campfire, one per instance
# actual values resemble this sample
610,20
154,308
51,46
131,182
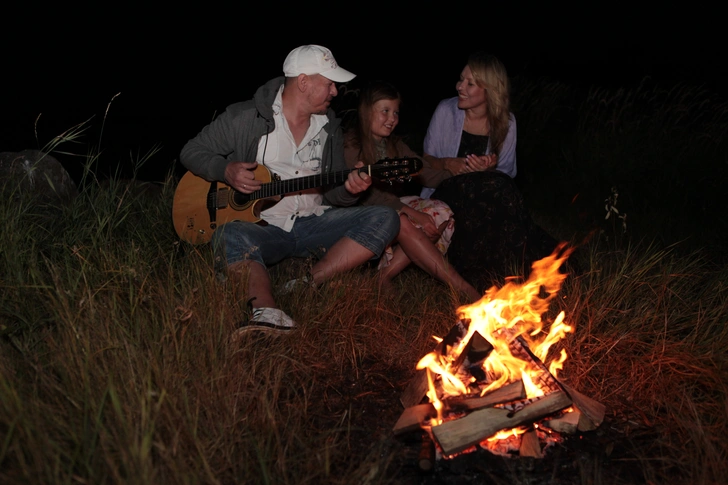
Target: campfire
492,381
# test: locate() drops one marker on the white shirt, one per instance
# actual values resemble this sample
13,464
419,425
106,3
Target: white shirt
284,158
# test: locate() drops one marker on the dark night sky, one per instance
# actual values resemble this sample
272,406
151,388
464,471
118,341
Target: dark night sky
175,69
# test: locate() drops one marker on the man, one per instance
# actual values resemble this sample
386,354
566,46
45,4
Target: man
289,128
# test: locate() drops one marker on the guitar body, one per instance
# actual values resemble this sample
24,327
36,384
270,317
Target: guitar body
200,206
195,220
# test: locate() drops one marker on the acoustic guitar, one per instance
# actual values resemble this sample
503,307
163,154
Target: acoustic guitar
200,206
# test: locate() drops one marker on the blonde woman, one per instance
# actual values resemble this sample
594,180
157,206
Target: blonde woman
471,141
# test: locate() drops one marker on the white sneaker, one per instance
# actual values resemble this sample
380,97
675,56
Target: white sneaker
271,320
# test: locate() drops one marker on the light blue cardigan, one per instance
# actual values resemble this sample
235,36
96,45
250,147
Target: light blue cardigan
445,131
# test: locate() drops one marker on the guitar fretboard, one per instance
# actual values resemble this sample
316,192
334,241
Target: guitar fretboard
280,187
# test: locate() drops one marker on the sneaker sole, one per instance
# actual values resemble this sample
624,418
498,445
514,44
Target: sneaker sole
264,327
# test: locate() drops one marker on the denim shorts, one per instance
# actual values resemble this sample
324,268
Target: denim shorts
373,227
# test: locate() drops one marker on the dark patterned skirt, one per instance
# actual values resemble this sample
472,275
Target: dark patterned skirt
494,232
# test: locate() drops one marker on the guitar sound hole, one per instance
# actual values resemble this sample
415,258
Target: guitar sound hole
240,198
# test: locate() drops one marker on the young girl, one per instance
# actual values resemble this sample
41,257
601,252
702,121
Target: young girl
426,225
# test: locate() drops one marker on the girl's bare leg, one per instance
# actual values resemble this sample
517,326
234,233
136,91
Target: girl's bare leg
420,250
346,254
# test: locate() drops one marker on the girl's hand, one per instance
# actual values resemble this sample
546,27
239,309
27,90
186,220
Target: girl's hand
426,222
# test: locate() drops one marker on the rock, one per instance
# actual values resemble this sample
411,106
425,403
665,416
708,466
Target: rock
36,174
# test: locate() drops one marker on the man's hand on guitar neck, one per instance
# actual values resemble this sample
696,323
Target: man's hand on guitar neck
357,182
240,176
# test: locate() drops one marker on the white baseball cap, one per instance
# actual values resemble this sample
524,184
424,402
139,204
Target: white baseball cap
315,59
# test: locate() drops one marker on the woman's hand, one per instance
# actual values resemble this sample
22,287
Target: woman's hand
480,163
471,163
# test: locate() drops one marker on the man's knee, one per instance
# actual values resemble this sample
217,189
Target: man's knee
378,226
232,244
388,218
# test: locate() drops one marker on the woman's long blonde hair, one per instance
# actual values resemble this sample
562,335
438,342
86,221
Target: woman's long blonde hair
490,74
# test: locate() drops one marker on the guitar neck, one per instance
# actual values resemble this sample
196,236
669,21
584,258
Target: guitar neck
281,187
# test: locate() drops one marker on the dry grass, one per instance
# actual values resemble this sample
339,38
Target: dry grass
117,364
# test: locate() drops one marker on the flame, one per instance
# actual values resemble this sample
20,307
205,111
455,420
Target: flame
505,434
532,390
502,315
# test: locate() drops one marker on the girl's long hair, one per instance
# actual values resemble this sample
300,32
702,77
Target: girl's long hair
490,74
361,134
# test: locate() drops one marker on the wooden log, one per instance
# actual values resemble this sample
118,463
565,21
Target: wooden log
567,423
475,353
413,417
415,390
426,457
459,434
519,348
530,445
507,393
592,412
585,424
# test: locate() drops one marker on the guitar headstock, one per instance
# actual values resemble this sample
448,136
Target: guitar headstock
396,169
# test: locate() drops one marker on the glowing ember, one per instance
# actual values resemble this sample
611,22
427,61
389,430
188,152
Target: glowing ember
500,317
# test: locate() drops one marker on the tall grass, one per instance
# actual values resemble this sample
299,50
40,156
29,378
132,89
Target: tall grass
117,363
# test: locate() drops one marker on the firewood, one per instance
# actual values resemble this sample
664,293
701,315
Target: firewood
426,457
567,424
519,348
415,390
530,446
592,412
509,392
477,350
585,424
459,434
413,417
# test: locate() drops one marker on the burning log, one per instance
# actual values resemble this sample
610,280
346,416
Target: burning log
426,457
460,434
415,390
567,423
414,417
473,356
591,411
530,446
511,392
519,348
